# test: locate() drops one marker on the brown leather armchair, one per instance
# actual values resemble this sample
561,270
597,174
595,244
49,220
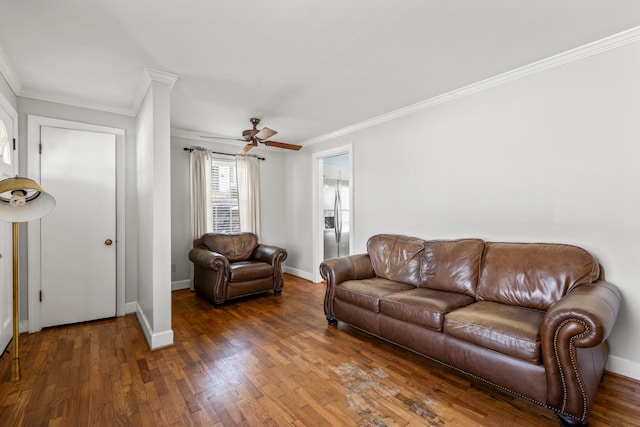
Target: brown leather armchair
231,265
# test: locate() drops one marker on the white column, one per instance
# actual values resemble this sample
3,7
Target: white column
153,140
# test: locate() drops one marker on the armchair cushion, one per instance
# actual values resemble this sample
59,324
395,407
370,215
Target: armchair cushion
234,246
242,271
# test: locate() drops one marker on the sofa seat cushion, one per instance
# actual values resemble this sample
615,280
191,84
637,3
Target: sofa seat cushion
507,329
368,292
249,270
422,306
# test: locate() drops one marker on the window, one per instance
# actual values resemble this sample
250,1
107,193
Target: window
224,189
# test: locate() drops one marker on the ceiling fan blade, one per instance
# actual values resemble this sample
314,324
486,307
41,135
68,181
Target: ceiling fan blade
265,133
246,149
283,145
222,137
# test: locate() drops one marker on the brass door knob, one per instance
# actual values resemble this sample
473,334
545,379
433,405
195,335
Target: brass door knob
108,242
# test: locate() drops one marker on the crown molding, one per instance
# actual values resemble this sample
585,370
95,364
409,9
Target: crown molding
160,76
152,75
7,71
576,54
76,102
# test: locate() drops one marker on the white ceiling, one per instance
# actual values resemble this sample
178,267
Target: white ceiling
307,68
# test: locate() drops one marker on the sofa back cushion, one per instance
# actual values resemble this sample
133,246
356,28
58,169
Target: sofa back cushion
533,275
234,246
396,257
452,265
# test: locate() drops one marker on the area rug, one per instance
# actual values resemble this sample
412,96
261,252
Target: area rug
366,393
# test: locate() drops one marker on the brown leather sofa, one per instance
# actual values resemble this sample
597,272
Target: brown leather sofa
232,265
528,318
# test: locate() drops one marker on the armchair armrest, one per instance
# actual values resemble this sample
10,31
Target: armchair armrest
208,259
269,254
338,270
210,273
574,350
275,256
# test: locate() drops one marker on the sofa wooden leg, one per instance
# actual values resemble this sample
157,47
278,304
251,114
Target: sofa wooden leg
277,292
567,421
218,304
332,321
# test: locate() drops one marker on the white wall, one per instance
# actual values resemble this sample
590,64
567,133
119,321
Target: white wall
180,210
550,157
154,214
8,93
272,197
27,106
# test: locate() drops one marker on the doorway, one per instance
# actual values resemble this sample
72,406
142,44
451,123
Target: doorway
332,205
77,250
335,205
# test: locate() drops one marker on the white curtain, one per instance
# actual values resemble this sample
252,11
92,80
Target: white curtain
201,204
248,173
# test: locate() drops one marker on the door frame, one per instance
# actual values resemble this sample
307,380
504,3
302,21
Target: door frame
6,328
34,123
317,208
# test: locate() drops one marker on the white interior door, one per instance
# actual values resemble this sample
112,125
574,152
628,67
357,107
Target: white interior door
78,239
7,162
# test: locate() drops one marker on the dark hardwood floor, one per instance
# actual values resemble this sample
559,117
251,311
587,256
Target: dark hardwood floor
261,361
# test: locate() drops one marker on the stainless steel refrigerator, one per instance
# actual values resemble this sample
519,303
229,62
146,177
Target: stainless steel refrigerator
336,214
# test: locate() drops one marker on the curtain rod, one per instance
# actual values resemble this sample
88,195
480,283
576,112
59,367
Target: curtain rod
190,149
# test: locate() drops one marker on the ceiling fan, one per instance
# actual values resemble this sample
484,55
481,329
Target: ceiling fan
255,137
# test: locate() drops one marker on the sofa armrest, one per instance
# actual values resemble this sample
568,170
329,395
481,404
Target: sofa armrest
575,330
354,267
275,256
338,270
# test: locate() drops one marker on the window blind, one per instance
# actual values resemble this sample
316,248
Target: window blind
224,188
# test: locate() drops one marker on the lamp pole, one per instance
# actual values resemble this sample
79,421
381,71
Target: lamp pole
21,200
15,371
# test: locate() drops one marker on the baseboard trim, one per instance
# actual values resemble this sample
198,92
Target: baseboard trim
180,284
624,367
156,340
130,307
300,273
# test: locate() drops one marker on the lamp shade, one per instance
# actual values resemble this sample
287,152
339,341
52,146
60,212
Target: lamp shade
22,200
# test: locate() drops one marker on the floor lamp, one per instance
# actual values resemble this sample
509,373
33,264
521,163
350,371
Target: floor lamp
21,200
